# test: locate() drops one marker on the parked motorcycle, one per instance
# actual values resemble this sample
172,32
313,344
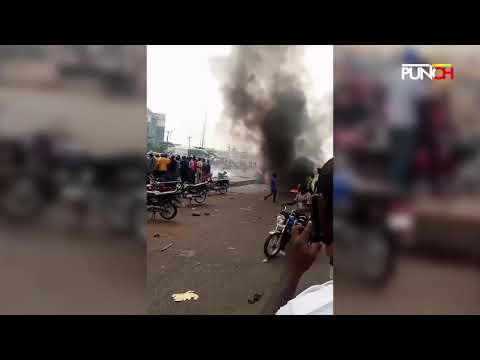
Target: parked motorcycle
279,237
108,185
197,192
219,184
163,203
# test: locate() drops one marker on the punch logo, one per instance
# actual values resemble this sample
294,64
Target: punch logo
430,71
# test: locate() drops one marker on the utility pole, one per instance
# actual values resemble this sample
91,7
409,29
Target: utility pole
189,142
203,133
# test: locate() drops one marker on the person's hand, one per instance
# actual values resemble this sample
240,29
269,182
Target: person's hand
302,253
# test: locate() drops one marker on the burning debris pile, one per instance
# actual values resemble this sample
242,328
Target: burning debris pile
265,99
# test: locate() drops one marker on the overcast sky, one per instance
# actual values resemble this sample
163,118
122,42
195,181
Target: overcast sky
181,85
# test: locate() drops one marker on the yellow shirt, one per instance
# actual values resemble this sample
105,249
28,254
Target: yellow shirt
162,164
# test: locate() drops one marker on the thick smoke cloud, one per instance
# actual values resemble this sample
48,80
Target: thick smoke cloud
265,102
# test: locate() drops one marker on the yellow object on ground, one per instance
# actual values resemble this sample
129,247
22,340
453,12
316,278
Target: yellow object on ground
189,295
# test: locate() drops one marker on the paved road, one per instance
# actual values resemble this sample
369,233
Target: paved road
200,259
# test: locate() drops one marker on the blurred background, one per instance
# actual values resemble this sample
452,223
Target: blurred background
72,139
407,182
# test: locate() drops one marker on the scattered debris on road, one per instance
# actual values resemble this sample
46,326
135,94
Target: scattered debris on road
206,213
196,213
189,295
166,247
265,260
156,235
187,253
249,208
231,248
256,297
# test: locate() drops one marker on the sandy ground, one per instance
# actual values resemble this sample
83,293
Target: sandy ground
201,260
52,270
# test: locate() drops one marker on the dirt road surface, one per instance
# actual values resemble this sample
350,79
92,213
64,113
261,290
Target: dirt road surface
219,256
52,270
420,286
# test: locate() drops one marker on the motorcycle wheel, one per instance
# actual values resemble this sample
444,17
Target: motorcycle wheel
223,189
22,201
169,211
271,247
380,259
200,198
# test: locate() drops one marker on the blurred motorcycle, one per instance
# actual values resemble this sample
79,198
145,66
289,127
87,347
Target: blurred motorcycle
364,234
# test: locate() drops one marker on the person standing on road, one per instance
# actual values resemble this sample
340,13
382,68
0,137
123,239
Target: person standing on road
208,169
163,163
184,169
199,170
303,200
151,163
177,174
273,188
172,169
193,169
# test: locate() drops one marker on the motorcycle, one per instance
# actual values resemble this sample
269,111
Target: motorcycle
279,237
363,232
108,185
220,184
164,203
197,192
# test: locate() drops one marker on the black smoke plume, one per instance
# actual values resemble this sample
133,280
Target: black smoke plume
265,102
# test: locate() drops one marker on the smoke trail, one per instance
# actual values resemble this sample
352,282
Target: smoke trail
265,102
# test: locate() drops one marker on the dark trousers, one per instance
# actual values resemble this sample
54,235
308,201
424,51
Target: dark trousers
402,156
274,193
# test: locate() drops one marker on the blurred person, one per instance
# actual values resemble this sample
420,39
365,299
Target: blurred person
309,183
436,135
151,163
303,200
163,162
403,102
208,169
172,168
184,169
273,188
199,170
193,169
178,160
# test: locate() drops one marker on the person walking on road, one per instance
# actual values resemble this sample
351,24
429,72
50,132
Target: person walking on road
273,188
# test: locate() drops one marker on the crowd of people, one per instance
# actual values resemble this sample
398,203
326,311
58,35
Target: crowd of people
178,168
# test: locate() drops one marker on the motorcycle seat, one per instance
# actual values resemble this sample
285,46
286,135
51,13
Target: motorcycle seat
160,193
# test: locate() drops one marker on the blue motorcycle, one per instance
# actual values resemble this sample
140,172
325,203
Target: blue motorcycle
279,237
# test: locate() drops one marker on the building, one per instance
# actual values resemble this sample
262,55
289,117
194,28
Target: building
155,128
